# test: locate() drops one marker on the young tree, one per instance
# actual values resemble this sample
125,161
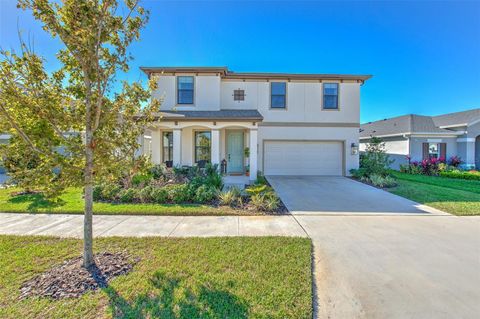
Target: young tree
73,123
375,160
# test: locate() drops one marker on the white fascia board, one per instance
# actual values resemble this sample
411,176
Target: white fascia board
454,125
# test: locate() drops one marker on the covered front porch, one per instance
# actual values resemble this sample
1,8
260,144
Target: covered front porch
232,144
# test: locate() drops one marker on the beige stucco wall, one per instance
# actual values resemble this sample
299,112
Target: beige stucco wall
206,93
304,102
304,99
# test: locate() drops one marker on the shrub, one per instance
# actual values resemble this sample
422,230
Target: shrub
261,180
145,194
268,201
128,195
158,171
212,176
159,195
97,192
230,197
358,173
470,175
455,161
381,181
412,168
205,194
375,160
140,179
257,189
110,191
178,193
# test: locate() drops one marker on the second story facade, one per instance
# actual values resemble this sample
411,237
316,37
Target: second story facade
302,98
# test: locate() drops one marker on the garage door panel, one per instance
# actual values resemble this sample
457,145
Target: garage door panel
303,158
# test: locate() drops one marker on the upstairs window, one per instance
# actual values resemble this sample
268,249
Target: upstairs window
330,96
278,96
185,90
239,95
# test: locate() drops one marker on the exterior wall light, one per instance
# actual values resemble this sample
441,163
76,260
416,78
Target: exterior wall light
354,149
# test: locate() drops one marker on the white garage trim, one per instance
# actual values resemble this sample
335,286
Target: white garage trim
343,155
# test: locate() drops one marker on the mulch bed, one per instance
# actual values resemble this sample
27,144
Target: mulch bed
72,280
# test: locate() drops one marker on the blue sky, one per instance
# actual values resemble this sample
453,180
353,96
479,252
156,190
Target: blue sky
424,56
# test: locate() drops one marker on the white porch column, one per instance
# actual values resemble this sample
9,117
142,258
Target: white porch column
177,147
156,143
253,154
215,147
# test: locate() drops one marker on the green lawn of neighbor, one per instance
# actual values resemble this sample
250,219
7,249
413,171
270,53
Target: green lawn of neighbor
254,277
454,196
71,202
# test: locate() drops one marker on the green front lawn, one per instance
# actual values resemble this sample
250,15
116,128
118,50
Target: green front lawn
454,196
240,277
71,202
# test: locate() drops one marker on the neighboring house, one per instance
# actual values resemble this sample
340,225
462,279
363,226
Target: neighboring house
293,124
423,137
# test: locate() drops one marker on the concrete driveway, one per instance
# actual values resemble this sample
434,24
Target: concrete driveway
377,255
340,195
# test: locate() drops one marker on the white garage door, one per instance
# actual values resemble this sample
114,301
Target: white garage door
303,158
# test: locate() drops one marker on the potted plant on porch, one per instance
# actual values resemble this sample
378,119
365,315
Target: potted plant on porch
247,156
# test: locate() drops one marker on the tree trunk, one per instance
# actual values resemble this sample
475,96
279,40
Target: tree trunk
87,221
88,172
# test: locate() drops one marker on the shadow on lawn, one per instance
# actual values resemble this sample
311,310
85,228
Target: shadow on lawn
36,202
172,300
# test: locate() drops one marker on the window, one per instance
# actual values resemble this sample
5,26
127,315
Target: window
202,146
185,90
433,150
278,95
330,96
239,95
167,147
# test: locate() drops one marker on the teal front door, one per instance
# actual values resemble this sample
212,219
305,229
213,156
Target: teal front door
235,152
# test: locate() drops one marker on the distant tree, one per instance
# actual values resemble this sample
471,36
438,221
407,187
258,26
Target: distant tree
71,127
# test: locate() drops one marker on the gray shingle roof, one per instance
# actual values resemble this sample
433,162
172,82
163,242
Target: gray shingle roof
405,124
457,118
212,115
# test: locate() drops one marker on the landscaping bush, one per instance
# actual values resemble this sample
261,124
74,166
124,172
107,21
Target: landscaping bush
261,180
178,193
267,202
158,171
257,189
382,181
97,192
206,194
455,161
159,195
110,191
145,194
141,179
128,195
470,175
230,197
358,173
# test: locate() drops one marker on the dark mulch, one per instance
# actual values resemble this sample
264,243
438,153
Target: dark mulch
72,280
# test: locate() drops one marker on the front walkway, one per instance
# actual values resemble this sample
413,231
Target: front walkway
139,226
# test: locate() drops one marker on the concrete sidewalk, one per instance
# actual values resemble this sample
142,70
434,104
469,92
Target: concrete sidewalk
140,226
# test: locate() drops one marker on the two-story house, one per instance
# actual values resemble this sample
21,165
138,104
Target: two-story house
279,124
